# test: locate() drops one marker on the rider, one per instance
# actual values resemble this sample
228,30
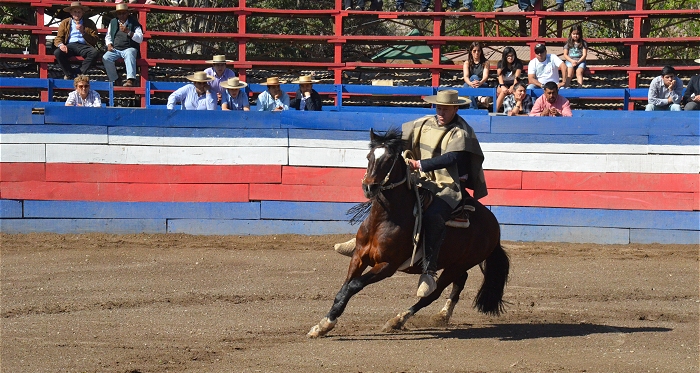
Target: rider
447,151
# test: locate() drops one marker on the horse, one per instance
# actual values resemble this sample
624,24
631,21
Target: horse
384,242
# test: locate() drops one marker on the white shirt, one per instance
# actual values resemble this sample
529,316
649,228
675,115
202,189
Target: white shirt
547,71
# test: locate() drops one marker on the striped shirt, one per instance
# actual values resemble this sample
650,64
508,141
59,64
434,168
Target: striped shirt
92,100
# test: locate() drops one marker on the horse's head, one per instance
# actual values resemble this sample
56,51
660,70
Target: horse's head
384,163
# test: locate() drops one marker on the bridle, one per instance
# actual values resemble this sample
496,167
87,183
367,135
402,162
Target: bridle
383,185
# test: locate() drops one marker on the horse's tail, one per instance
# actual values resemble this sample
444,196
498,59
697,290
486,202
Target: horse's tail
489,300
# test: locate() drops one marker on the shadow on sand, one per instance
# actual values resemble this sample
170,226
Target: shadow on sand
509,332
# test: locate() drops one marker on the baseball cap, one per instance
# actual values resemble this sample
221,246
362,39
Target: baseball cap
539,48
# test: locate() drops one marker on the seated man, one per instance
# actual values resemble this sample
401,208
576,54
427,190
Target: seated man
83,95
77,36
306,99
195,96
691,98
665,91
551,104
273,99
545,68
234,97
124,34
220,73
518,103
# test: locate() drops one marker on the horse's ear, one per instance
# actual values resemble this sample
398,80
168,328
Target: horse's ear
371,134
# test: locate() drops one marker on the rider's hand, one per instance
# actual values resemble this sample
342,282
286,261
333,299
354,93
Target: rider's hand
414,164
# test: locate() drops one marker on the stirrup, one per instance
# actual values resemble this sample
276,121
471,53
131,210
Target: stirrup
345,248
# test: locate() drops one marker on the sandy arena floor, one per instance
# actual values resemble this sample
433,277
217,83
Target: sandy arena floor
179,303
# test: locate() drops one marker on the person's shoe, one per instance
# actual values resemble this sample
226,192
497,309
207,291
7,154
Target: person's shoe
358,8
345,248
426,284
66,77
557,8
150,2
423,9
498,10
348,8
400,8
589,7
128,83
464,9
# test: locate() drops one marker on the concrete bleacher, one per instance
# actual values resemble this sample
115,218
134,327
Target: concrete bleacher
602,176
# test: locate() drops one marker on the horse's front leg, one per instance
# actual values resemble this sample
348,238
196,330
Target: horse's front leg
351,287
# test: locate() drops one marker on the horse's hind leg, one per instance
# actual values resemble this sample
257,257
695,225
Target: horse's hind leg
397,323
457,286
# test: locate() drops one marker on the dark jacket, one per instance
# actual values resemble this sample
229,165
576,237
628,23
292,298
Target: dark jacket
89,33
693,87
132,24
313,103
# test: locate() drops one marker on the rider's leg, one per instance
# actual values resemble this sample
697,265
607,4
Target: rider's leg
434,219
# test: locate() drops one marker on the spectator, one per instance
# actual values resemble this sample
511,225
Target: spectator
374,5
83,95
519,102
551,104
219,73
77,36
545,68
124,34
665,91
476,72
273,99
560,6
306,99
195,96
575,52
234,97
524,5
425,5
691,98
508,72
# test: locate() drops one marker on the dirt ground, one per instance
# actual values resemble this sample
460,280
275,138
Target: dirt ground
180,303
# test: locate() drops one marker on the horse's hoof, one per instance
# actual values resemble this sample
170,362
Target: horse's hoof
397,323
323,327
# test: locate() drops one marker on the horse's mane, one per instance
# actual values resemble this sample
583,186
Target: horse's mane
391,139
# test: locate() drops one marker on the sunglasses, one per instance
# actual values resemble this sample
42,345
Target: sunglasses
83,85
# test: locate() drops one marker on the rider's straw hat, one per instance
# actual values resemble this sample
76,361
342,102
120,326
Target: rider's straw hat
447,97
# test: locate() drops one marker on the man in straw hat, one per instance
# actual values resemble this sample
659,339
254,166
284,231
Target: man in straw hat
220,73
124,34
306,99
77,36
691,98
273,99
449,159
235,97
195,96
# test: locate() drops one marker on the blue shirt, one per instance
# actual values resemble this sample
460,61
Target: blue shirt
216,83
267,103
190,100
235,103
75,35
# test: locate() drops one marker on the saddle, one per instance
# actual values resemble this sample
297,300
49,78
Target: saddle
460,215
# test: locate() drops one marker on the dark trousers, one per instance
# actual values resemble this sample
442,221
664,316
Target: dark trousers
434,219
88,53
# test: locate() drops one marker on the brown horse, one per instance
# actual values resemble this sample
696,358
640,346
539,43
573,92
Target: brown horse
384,242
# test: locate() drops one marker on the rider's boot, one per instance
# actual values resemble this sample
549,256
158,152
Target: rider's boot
434,235
345,248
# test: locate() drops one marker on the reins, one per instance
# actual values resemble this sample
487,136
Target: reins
386,179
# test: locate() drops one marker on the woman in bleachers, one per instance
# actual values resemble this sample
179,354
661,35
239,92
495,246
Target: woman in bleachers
575,52
83,95
509,70
476,71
